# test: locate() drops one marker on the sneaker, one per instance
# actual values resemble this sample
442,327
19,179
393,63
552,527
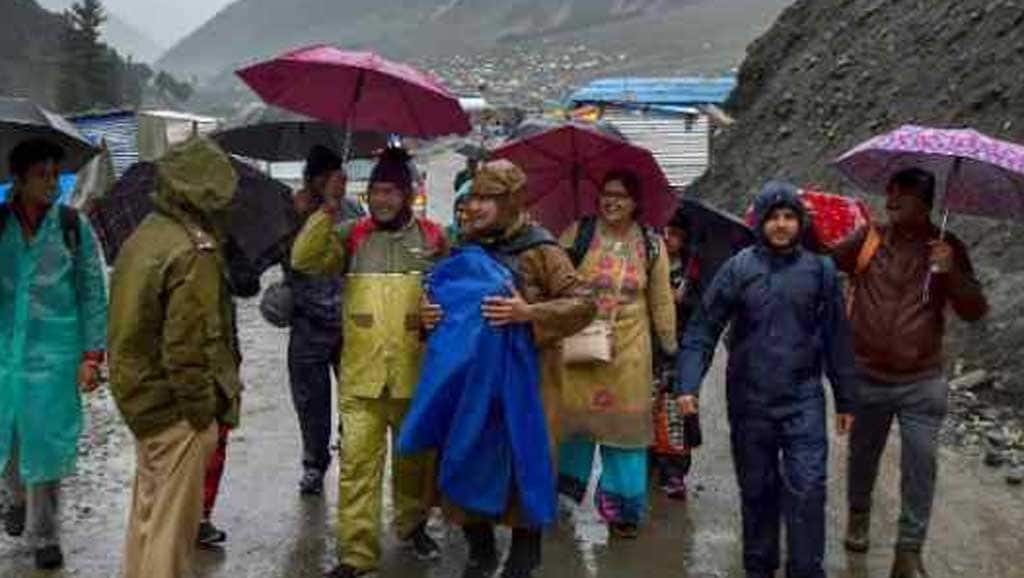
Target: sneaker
346,571
858,532
625,530
49,558
676,490
210,536
312,482
14,520
423,546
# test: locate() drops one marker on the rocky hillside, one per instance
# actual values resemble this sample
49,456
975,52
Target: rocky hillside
831,73
416,28
28,61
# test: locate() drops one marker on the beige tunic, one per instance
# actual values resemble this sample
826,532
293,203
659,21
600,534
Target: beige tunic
611,403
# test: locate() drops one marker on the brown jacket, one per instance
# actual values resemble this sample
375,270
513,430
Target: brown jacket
897,336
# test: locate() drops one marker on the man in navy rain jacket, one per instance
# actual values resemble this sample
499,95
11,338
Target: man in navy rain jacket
788,328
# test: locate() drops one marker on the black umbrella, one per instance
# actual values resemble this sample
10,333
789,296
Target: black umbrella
261,220
271,134
21,120
715,234
472,151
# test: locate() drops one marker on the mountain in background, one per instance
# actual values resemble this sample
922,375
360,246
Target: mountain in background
249,30
118,33
130,41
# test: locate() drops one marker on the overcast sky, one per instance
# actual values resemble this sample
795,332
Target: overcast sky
164,21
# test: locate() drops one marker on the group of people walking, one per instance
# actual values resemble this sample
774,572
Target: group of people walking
623,328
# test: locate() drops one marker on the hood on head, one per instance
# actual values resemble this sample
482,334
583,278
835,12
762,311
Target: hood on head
197,176
773,195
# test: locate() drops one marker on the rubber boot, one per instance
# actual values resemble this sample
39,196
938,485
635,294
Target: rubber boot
483,556
858,531
908,564
524,555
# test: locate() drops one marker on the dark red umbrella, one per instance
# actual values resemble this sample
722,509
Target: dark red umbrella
359,90
566,165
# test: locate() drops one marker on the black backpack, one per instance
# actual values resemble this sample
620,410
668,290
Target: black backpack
68,225
585,235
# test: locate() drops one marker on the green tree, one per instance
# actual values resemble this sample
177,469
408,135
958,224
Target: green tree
88,67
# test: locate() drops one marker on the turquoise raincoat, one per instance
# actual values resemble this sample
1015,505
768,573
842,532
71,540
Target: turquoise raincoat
53,308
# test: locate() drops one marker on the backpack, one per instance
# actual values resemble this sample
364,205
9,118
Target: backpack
585,236
68,225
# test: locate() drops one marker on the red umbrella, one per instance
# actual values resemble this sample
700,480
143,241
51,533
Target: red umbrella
360,90
833,217
566,165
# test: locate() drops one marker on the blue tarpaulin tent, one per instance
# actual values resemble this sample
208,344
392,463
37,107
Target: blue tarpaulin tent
66,185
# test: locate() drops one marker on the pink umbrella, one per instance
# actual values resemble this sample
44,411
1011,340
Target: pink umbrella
977,174
566,165
359,90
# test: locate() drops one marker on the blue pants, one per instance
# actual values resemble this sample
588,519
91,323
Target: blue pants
782,467
313,353
622,490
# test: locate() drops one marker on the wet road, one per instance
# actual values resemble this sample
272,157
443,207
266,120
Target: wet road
978,528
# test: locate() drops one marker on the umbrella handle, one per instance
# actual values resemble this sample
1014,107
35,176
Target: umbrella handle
931,270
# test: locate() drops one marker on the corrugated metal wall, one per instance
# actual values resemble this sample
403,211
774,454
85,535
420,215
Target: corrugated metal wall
680,143
120,130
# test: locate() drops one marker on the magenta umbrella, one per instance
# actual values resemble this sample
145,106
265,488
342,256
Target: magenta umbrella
566,165
358,90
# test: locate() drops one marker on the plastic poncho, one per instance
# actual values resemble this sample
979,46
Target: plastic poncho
478,401
53,308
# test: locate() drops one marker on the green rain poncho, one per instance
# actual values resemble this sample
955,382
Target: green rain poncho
53,308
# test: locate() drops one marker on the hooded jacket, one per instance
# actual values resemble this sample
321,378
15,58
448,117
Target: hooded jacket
173,344
788,324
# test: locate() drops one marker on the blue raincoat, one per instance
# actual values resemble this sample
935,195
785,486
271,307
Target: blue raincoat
478,400
53,308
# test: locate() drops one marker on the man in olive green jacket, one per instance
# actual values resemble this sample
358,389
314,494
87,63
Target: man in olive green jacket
384,258
173,353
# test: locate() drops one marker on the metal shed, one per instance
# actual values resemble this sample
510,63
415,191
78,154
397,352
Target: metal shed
666,115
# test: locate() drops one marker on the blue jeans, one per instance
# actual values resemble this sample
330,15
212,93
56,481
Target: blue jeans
920,408
782,467
313,354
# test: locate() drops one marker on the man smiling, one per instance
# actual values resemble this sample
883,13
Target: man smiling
788,328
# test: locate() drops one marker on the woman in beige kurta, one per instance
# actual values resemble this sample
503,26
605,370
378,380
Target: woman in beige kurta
608,405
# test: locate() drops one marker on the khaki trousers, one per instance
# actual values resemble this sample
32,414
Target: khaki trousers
367,426
167,501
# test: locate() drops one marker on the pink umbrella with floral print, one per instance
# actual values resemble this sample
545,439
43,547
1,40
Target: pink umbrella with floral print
976,174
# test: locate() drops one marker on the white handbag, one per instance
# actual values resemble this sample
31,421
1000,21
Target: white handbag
595,342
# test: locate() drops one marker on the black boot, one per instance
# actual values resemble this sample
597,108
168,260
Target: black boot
14,520
483,556
524,556
49,558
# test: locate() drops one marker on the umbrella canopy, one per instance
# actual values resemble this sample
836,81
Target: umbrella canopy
260,220
21,120
833,218
272,134
977,174
360,90
715,235
566,165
